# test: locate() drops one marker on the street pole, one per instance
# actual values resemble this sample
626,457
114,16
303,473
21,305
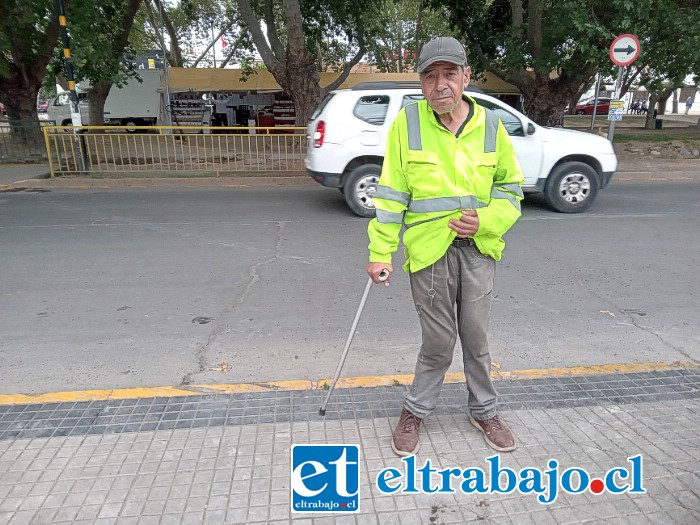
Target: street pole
166,107
76,119
213,43
618,87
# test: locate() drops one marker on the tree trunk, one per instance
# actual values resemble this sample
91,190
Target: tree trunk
293,67
675,102
62,81
301,82
651,113
174,55
573,100
100,90
663,100
96,101
545,99
419,32
20,93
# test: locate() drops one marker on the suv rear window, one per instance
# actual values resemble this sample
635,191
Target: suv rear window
372,109
322,105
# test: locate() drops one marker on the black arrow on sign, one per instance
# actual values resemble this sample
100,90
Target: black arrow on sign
629,49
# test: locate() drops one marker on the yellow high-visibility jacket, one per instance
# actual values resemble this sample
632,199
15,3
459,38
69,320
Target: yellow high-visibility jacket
429,176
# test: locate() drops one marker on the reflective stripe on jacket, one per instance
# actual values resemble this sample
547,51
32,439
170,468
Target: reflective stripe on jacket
429,176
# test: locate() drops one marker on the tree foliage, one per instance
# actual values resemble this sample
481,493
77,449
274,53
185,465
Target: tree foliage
28,35
548,49
552,49
99,33
399,31
187,26
288,37
670,50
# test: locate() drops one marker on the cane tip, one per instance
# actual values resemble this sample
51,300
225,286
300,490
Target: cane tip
321,412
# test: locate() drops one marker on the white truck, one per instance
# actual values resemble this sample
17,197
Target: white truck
347,136
134,104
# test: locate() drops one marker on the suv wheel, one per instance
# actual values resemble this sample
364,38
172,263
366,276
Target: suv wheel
360,186
572,187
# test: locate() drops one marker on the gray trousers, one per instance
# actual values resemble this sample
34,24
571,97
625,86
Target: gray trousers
462,278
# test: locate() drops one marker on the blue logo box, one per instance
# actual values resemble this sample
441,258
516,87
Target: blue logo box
325,478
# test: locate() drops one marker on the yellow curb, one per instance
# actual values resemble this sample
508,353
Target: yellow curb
93,395
346,382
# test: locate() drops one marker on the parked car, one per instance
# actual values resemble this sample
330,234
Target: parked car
347,136
586,108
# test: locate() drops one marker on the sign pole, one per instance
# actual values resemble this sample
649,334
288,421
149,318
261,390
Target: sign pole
623,51
618,87
595,101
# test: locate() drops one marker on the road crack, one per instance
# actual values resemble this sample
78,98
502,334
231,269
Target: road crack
220,327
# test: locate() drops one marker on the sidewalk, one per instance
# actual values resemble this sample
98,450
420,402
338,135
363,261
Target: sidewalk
10,173
17,177
199,457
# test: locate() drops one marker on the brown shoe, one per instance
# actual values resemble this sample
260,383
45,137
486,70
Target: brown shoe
405,439
496,433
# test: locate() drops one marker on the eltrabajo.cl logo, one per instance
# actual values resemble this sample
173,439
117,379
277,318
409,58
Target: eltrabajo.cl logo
325,478
545,483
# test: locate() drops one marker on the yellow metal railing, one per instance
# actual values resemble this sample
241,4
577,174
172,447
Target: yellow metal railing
174,150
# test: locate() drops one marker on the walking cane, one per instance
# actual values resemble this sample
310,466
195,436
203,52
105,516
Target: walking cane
382,277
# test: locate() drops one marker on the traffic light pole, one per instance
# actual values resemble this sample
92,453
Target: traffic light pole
76,120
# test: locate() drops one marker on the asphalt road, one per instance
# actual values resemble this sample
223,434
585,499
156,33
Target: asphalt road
123,288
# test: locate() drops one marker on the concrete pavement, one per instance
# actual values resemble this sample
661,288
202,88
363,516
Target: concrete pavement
221,453
224,458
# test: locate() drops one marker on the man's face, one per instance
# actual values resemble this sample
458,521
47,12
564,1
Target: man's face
442,84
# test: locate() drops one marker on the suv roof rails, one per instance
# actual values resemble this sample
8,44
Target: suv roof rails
399,84
387,84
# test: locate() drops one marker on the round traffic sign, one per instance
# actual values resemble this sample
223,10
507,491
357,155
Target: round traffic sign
624,50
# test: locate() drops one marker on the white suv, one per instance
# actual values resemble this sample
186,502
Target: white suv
347,136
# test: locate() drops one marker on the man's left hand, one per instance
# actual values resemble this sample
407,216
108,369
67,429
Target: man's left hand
467,225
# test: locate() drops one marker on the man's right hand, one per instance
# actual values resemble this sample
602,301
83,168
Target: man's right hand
375,268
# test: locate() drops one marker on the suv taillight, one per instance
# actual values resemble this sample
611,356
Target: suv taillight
319,134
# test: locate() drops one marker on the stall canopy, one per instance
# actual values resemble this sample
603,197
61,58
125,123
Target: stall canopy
217,79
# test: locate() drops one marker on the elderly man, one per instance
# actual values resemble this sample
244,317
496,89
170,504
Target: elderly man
451,177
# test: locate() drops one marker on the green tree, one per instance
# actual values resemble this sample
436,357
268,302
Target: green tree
552,49
398,32
28,35
187,24
548,49
289,44
670,51
147,34
100,44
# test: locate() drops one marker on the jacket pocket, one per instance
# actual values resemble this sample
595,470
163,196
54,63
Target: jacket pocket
424,174
485,173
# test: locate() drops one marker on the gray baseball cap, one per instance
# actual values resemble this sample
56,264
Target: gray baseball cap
441,49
